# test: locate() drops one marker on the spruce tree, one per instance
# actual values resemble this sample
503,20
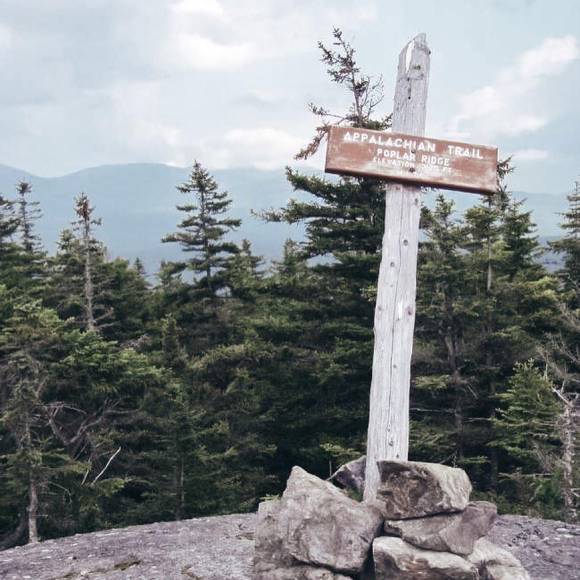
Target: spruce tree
28,213
483,305
441,351
125,296
85,286
9,251
32,265
84,226
569,245
227,388
104,403
561,353
29,340
526,432
8,221
78,284
202,235
344,222
203,230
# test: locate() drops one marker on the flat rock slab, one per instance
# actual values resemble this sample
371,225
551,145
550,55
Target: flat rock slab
395,559
412,489
222,548
456,533
216,548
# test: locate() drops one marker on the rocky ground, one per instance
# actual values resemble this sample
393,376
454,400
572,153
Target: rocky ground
221,548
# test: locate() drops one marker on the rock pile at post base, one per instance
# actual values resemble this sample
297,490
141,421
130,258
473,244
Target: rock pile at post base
420,526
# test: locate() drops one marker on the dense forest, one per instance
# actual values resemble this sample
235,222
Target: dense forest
127,398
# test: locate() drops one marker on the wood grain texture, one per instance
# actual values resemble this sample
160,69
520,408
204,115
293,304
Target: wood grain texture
388,431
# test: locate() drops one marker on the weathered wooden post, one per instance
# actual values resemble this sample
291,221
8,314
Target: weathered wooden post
388,431
407,160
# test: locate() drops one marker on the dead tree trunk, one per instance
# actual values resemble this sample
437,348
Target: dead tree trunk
179,489
567,427
84,211
89,290
388,432
32,511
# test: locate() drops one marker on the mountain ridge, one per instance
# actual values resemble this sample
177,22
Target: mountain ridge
137,204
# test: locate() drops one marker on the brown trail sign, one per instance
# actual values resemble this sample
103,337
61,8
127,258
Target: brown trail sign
408,161
400,157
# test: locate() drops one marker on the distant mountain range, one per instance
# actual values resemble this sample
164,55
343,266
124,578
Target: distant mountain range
137,204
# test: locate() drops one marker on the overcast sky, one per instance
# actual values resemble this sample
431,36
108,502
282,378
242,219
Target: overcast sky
89,82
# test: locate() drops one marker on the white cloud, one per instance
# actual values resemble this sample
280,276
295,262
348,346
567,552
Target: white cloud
524,155
550,58
508,106
260,147
199,52
206,7
212,34
6,38
137,112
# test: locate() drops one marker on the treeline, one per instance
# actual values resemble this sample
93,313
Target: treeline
124,401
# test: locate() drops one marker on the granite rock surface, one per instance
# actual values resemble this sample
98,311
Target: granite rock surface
222,548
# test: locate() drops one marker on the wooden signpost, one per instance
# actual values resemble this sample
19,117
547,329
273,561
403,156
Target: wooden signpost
408,161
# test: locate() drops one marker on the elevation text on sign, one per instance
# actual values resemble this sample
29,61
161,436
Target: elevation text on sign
431,162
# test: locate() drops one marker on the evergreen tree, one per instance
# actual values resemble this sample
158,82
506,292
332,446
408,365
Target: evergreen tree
561,353
441,351
31,459
32,256
110,297
344,221
89,247
9,251
526,431
79,280
28,213
125,296
64,292
202,232
169,443
569,245
102,405
202,235
483,305
227,394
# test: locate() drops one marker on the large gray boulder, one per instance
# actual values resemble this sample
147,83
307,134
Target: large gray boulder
495,563
314,524
395,559
269,552
455,532
351,475
271,560
411,489
324,526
